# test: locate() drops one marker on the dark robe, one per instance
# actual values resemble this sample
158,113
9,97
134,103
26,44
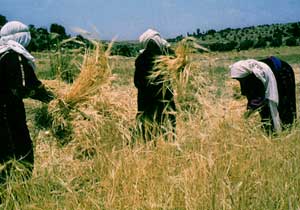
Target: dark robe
254,90
285,79
156,104
17,81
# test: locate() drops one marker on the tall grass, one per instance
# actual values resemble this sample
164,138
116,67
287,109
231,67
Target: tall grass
219,161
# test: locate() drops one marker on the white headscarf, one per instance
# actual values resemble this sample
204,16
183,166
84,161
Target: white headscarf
151,34
264,73
15,36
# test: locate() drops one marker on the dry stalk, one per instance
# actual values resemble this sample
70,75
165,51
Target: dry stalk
177,68
94,74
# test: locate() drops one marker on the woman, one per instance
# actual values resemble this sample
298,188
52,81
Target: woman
156,106
269,86
17,81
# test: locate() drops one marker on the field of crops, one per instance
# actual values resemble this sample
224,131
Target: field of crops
218,161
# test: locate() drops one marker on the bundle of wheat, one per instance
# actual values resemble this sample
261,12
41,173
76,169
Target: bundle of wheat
177,68
95,73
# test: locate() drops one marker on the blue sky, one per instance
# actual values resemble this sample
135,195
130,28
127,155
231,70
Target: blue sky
128,19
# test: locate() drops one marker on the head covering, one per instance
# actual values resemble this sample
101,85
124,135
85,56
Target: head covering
15,36
151,34
264,73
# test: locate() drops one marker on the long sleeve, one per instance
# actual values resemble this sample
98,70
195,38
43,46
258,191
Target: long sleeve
18,77
34,87
275,116
140,74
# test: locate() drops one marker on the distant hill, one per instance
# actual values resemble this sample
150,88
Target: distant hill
260,36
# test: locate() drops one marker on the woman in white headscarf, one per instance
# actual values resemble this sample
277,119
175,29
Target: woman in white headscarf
269,86
17,81
156,106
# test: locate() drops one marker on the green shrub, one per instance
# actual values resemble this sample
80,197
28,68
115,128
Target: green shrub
292,41
261,43
246,44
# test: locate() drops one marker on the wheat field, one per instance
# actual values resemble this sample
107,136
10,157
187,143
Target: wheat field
218,161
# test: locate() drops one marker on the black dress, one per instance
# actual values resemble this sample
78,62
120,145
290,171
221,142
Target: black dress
17,81
156,106
254,90
285,79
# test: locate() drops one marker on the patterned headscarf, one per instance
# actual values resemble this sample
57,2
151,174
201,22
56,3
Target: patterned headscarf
15,36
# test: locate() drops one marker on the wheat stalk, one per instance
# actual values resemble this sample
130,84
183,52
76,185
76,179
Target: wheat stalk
176,69
95,72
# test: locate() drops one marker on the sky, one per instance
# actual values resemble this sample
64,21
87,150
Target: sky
127,19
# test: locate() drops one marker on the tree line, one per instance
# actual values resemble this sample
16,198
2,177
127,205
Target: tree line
261,36
54,39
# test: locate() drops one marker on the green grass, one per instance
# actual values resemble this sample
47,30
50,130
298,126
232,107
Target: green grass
58,65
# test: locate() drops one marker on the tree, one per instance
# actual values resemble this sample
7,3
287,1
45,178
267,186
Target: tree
83,40
3,20
179,38
261,43
246,44
276,41
220,46
58,29
57,34
211,32
292,41
40,39
294,30
124,49
198,32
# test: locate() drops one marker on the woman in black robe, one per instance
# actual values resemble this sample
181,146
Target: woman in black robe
17,81
156,105
247,73
285,79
